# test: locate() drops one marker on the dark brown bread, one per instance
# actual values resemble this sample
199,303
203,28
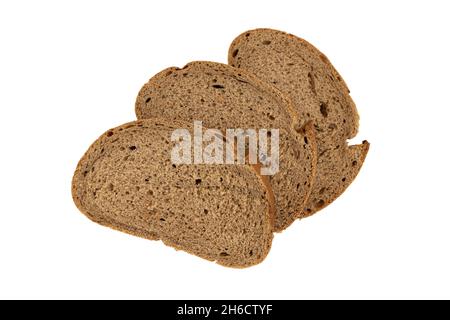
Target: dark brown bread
224,98
318,94
126,181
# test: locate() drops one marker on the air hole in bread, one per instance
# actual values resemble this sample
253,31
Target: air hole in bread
132,148
322,190
109,134
320,203
354,163
324,109
205,211
162,219
271,117
174,166
235,52
218,86
148,100
266,42
247,34
185,74
312,83
198,181
305,139
343,179
251,252
224,254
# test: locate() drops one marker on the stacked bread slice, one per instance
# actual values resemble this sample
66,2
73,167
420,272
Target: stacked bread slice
223,97
226,213
126,181
318,93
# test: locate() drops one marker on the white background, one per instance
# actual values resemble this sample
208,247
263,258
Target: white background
71,70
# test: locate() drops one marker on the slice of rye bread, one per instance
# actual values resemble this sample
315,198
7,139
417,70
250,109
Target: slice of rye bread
318,94
126,181
224,98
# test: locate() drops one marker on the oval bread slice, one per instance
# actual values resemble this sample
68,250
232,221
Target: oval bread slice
224,98
127,181
318,93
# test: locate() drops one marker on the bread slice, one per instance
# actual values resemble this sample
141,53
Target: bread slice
225,98
126,181
318,94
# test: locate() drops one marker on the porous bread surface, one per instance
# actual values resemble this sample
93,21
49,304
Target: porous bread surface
318,93
223,98
127,181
